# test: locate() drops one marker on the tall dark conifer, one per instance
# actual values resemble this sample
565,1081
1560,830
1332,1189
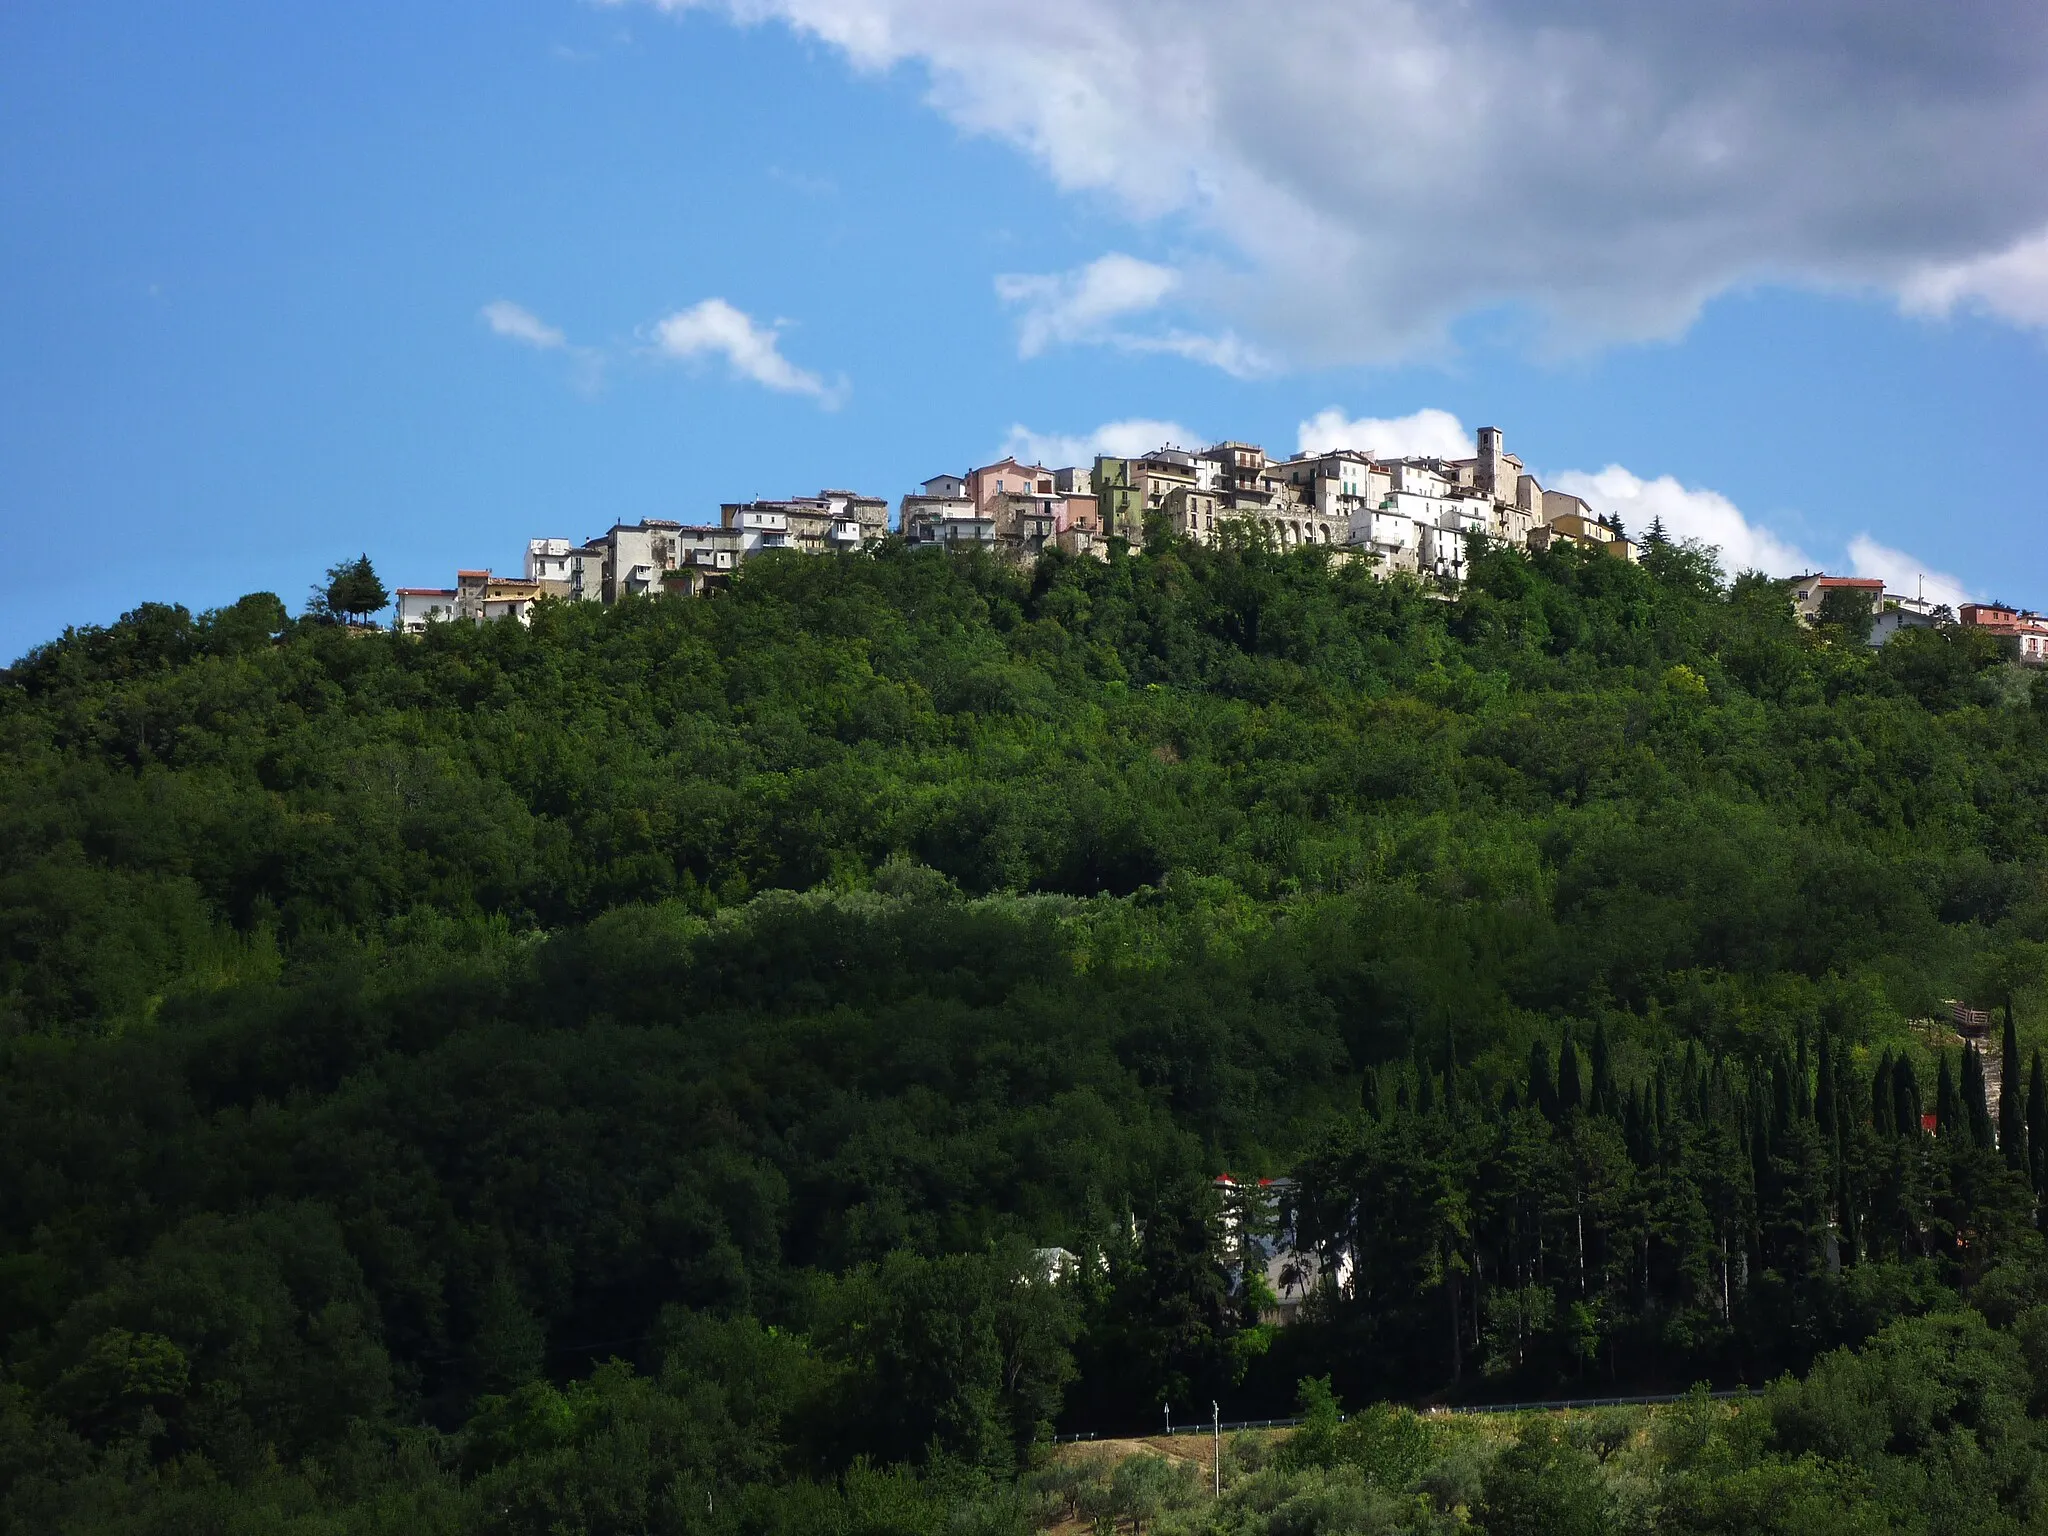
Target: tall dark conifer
1369,1092
1882,1119
1662,1128
1802,1101
1824,1105
2012,1110
1542,1086
1450,1073
2037,1125
1570,1091
1603,1100
1906,1104
1976,1108
1948,1109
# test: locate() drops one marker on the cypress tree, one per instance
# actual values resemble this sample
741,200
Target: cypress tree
2037,1125
1603,1096
1947,1109
1824,1096
1509,1101
1662,1105
1369,1092
1976,1108
1802,1103
1542,1088
1782,1101
1450,1072
1882,1119
1419,1073
1906,1108
1570,1093
2012,1122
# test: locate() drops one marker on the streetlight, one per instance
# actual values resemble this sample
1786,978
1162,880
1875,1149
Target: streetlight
1216,1443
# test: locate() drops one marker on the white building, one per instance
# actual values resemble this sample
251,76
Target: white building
948,521
414,608
573,572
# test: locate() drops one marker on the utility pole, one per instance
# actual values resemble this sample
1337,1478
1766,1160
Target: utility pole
1169,1421
1216,1442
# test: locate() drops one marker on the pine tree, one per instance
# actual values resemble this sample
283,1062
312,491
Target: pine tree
352,591
1450,1074
1802,1101
1947,1108
1570,1094
1882,1119
1655,537
2012,1122
1425,1083
1369,1092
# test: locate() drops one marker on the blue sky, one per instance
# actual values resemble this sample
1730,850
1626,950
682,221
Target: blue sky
250,255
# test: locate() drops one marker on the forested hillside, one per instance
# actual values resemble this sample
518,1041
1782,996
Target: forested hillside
617,1075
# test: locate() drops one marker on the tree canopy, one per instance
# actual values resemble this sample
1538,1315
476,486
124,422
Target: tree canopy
628,1072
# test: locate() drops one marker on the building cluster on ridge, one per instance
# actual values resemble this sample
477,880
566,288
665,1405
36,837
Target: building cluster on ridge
1410,514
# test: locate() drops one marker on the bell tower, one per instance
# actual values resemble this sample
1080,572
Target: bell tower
1491,474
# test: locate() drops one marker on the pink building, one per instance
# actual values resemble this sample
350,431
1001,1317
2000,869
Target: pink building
1009,478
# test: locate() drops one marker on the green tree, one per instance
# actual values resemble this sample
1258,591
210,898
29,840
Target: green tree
352,590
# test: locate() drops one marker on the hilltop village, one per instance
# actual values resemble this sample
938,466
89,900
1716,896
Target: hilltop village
1409,515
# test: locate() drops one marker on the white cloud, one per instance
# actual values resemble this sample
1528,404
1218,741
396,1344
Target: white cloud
1688,513
2012,284
517,323
1062,307
1085,306
1427,433
715,327
1351,176
1905,574
1119,439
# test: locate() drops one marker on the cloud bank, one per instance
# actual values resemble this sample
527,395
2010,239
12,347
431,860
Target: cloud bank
1090,304
1355,175
715,328
1428,434
516,323
1688,513
1904,574
1118,439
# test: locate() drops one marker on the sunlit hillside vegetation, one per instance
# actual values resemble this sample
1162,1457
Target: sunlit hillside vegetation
617,1076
